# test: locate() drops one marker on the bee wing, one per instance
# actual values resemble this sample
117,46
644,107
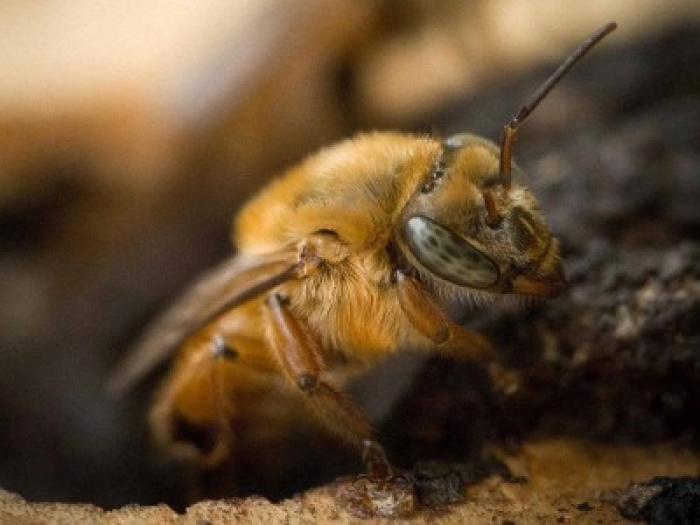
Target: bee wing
226,286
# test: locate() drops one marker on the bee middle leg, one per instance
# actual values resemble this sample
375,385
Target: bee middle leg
299,357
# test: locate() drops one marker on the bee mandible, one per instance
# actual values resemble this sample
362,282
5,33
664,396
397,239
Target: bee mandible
345,259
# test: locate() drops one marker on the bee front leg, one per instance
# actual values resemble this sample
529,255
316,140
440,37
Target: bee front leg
425,314
299,357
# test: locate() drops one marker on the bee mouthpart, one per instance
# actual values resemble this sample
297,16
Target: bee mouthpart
549,285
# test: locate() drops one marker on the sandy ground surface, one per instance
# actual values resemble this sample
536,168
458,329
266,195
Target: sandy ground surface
560,482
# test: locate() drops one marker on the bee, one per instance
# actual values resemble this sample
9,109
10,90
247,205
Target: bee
349,257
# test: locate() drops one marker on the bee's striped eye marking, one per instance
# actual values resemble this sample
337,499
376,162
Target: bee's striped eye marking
449,256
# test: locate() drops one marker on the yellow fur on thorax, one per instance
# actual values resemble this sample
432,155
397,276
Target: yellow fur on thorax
349,306
340,175
352,307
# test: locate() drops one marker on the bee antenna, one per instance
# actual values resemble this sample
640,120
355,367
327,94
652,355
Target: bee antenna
509,131
493,218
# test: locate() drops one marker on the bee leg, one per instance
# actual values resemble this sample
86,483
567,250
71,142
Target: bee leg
426,316
374,457
299,357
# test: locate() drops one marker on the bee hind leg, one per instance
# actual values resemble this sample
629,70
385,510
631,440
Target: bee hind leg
299,358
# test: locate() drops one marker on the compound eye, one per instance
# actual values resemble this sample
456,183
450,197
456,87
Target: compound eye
449,256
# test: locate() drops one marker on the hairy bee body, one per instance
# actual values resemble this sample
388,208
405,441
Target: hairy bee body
356,253
351,198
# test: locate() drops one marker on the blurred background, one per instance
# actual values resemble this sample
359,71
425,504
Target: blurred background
131,132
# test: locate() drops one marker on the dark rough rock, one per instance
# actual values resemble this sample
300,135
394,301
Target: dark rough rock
662,501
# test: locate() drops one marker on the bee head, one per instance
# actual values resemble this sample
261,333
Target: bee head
465,229
470,225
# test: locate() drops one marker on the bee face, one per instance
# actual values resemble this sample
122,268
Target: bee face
448,229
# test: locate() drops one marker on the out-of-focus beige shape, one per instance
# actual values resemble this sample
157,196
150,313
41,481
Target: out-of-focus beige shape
74,56
90,85
118,89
